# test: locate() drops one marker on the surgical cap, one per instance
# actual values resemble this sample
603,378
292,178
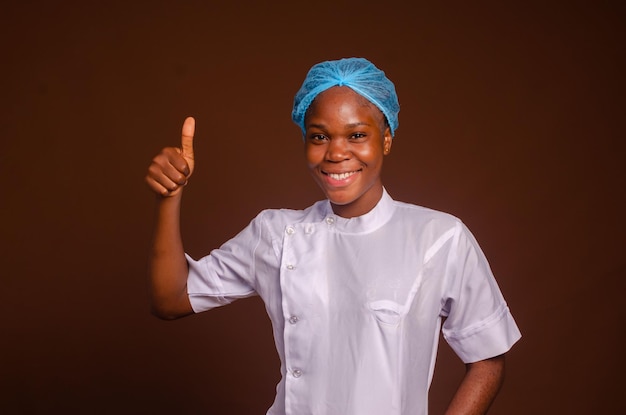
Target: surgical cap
356,73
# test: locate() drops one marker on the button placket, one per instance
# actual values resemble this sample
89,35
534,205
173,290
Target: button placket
291,339
290,231
298,297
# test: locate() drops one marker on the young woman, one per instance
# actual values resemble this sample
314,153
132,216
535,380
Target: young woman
357,286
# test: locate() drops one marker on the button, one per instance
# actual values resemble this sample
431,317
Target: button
330,220
290,267
290,230
297,373
293,319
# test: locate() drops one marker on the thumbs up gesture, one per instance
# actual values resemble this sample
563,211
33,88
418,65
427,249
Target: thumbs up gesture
171,168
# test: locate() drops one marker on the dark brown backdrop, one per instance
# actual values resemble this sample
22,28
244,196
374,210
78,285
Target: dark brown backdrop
512,118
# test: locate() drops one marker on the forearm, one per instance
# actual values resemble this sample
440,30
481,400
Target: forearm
168,265
479,387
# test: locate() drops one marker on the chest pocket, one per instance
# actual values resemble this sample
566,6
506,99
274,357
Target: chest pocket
387,311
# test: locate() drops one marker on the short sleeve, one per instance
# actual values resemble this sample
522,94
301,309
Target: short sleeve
227,273
478,322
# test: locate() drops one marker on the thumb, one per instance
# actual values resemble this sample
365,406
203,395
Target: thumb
189,127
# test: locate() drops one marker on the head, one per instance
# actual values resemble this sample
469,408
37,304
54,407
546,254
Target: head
358,74
347,135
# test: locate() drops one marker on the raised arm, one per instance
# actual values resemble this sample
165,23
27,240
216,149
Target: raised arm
167,175
479,387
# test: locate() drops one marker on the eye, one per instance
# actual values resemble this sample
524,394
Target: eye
358,136
317,138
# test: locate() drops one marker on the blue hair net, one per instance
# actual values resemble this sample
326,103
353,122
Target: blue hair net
356,73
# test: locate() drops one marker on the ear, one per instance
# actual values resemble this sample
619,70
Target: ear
387,140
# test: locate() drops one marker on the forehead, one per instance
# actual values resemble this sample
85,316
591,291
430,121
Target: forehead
342,96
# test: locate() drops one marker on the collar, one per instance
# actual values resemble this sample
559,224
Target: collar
366,223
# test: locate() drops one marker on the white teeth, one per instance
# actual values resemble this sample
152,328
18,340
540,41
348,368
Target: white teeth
340,176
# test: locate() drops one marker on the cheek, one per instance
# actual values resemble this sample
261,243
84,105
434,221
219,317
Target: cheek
313,155
373,155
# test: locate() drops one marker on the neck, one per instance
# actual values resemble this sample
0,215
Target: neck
361,206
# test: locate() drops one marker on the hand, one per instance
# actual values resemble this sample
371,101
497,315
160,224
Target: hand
171,168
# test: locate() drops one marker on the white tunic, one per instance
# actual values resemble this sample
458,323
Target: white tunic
357,304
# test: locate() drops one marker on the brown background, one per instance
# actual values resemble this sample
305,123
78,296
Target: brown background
512,119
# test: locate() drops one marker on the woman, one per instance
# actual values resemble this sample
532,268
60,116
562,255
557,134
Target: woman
357,286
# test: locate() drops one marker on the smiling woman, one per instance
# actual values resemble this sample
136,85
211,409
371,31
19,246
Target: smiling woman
358,286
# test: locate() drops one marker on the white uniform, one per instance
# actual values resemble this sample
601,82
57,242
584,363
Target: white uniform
356,304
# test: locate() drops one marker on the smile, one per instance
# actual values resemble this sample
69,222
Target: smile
341,176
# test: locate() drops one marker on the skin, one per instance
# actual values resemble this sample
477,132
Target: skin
479,387
346,140
167,175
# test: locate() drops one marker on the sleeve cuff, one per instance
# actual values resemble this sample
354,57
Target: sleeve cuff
492,338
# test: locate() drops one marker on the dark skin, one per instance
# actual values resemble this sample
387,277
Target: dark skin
167,175
479,387
345,143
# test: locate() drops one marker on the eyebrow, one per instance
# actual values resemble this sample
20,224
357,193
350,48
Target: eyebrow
351,125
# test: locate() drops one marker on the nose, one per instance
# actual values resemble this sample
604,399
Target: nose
338,150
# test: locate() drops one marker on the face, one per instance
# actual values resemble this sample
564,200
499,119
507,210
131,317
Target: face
345,141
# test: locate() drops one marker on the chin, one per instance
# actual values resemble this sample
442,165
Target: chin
339,200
